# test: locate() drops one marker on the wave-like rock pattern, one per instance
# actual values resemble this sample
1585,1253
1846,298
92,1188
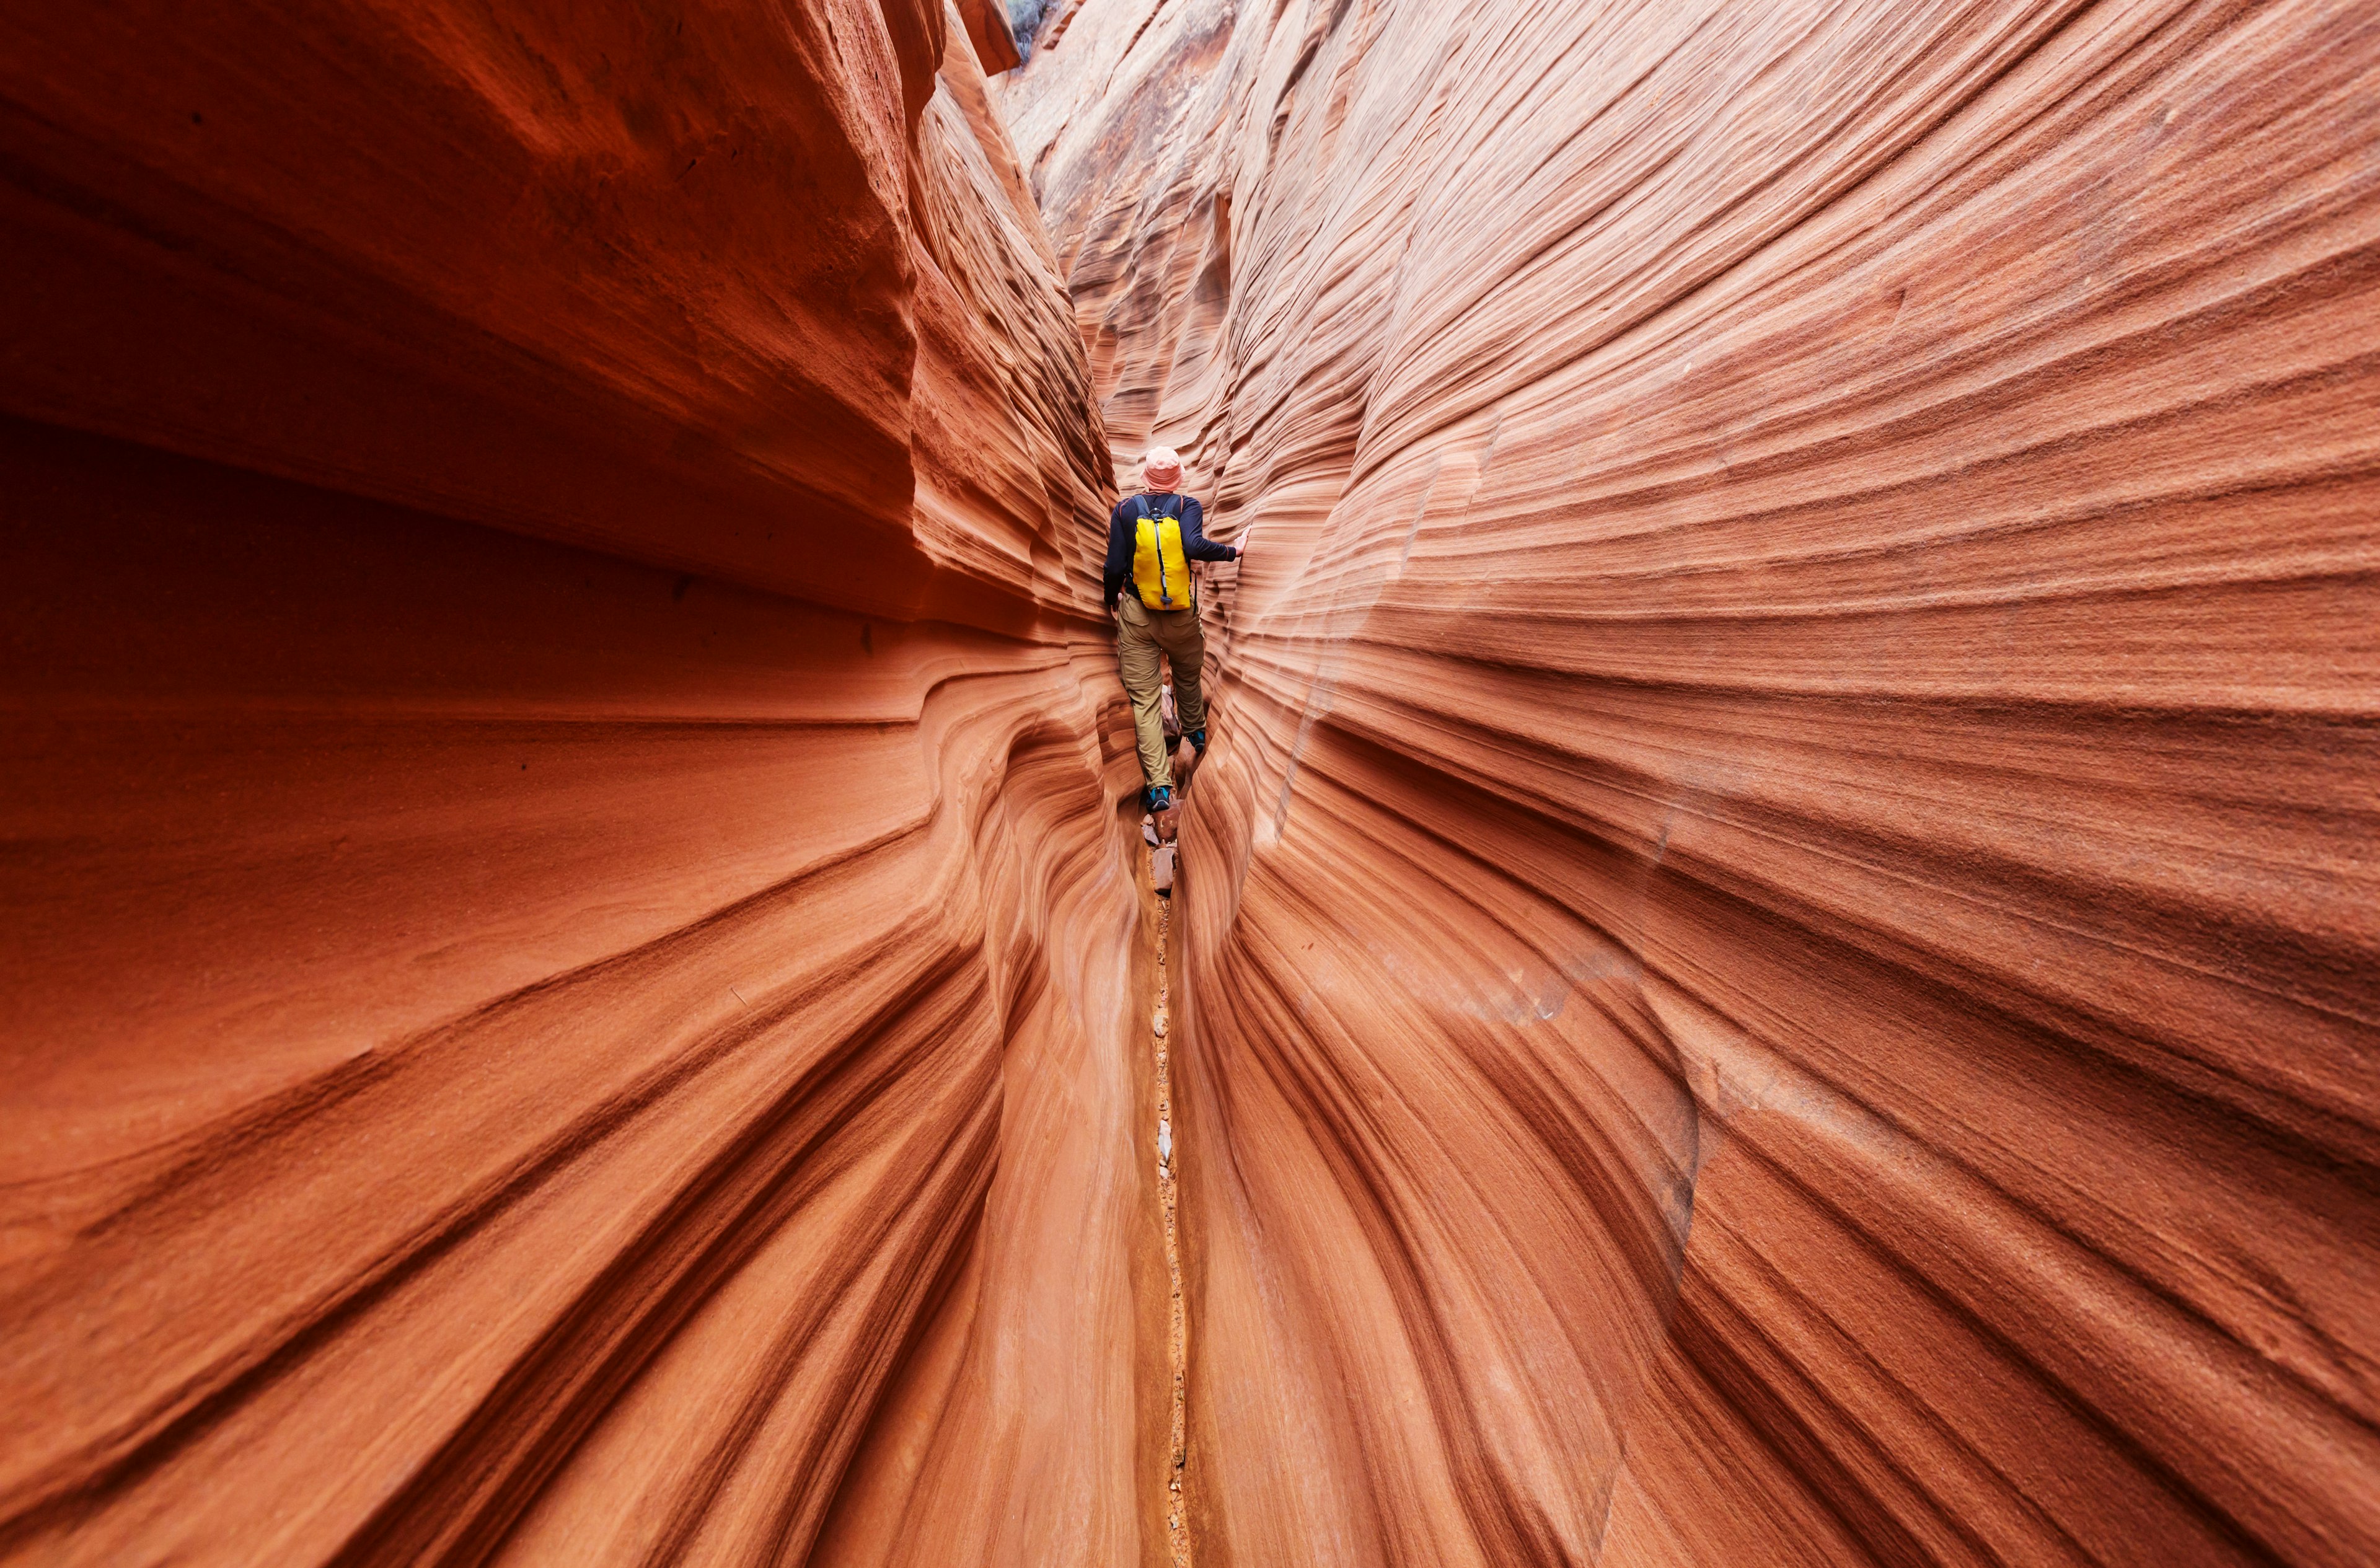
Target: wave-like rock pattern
568,959
1784,936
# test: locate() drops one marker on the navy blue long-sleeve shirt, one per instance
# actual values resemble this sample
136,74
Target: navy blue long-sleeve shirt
1121,526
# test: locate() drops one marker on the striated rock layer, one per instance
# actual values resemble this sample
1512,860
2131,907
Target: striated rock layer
568,939
1784,933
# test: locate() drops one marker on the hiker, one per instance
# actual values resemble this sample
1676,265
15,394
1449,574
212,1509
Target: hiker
1152,538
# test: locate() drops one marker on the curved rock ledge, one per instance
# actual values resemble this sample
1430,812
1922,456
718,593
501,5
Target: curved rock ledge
1782,933
569,944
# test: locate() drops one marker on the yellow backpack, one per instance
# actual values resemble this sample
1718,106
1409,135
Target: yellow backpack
1159,570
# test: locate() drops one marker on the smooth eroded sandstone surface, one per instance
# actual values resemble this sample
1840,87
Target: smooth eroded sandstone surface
1784,933
569,936
1777,961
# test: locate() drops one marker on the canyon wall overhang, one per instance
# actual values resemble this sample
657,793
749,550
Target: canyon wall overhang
566,923
1784,928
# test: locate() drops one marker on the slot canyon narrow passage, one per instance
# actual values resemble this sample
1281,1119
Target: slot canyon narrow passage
1775,961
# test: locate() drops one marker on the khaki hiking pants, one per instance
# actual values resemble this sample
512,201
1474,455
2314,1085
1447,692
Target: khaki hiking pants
1141,635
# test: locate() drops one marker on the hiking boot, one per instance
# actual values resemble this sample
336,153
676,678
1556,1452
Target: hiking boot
1164,812
1198,739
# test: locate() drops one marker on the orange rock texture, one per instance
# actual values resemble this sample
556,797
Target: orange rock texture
1778,960
567,949
1783,935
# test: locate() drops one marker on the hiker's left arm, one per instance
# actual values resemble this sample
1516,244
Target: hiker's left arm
1118,561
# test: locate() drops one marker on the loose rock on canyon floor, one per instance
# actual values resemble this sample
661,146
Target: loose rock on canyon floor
1777,960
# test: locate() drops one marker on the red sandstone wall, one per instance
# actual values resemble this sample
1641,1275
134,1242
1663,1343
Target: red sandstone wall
565,945
1784,958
